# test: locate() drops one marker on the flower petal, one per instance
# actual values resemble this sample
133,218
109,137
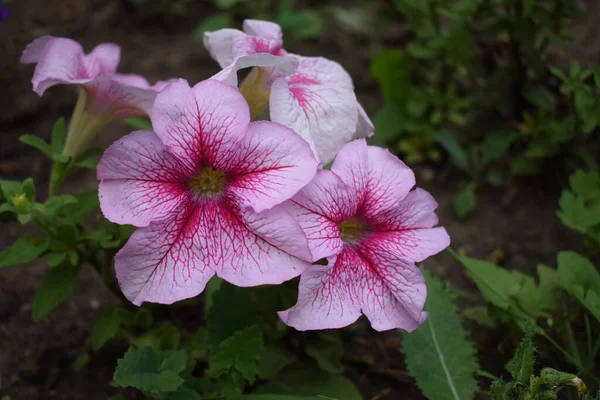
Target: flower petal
364,126
352,166
276,67
416,210
199,124
391,292
324,301
163,262
259,248
268,166
140,181
61,60
120,96
318,103
412,244
264,29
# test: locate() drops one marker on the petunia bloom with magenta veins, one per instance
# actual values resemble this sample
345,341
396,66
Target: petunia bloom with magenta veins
205,189
311,95
104,94
363,217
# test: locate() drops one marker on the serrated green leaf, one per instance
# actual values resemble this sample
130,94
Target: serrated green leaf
581,280
56,287
24,250
306,379
232,310
438,354
272,361
107,326
522,363
240,353
145,369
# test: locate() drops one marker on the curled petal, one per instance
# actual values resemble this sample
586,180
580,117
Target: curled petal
268,166
264,29
163,262
199,124
61,60
364,126
275,66
140,181
324,300
318,103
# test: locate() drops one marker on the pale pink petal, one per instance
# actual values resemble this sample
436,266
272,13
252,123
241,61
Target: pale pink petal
319,208
364,126
411,244
257,248
164,262
120,96
61,60
324,300
318,103
275,66
264,29
227,45
199,124
391,292
416,210
268,166
140,181
389,181
352,166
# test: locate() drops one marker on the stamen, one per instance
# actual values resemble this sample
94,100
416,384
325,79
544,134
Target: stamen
209,181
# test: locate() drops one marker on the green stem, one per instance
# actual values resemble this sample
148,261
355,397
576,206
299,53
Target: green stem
560,348
485,374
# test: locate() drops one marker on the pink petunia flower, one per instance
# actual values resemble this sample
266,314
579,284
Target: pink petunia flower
311,95
363,217
104,95
205,191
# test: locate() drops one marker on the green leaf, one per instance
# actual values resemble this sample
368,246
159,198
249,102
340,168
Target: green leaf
438,353
465,201
306,379
24,250
55,288
303,24
212,23
327,352
480,315
57,141
581,280
10,188
107,326
522,363
239,354
142,124
56,258
54,205
273,360
496,144
86,203
169,339
390,68
232,310
29,189
224,4
496,284
580,206
388,123
38,143
457,155
145,369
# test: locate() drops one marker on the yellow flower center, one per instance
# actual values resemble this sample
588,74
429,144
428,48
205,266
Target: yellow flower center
351,230
208,181
256,91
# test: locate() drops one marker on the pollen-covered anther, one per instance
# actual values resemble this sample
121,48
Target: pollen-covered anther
352,230
209,181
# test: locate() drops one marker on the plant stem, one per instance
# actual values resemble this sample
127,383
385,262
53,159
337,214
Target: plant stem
560,348
485,374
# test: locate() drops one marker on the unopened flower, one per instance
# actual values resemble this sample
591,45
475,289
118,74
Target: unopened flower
363,217
311,95
104,95
205,190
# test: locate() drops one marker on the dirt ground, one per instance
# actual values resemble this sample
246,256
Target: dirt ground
36,359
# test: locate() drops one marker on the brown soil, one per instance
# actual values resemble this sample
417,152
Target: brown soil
36,358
